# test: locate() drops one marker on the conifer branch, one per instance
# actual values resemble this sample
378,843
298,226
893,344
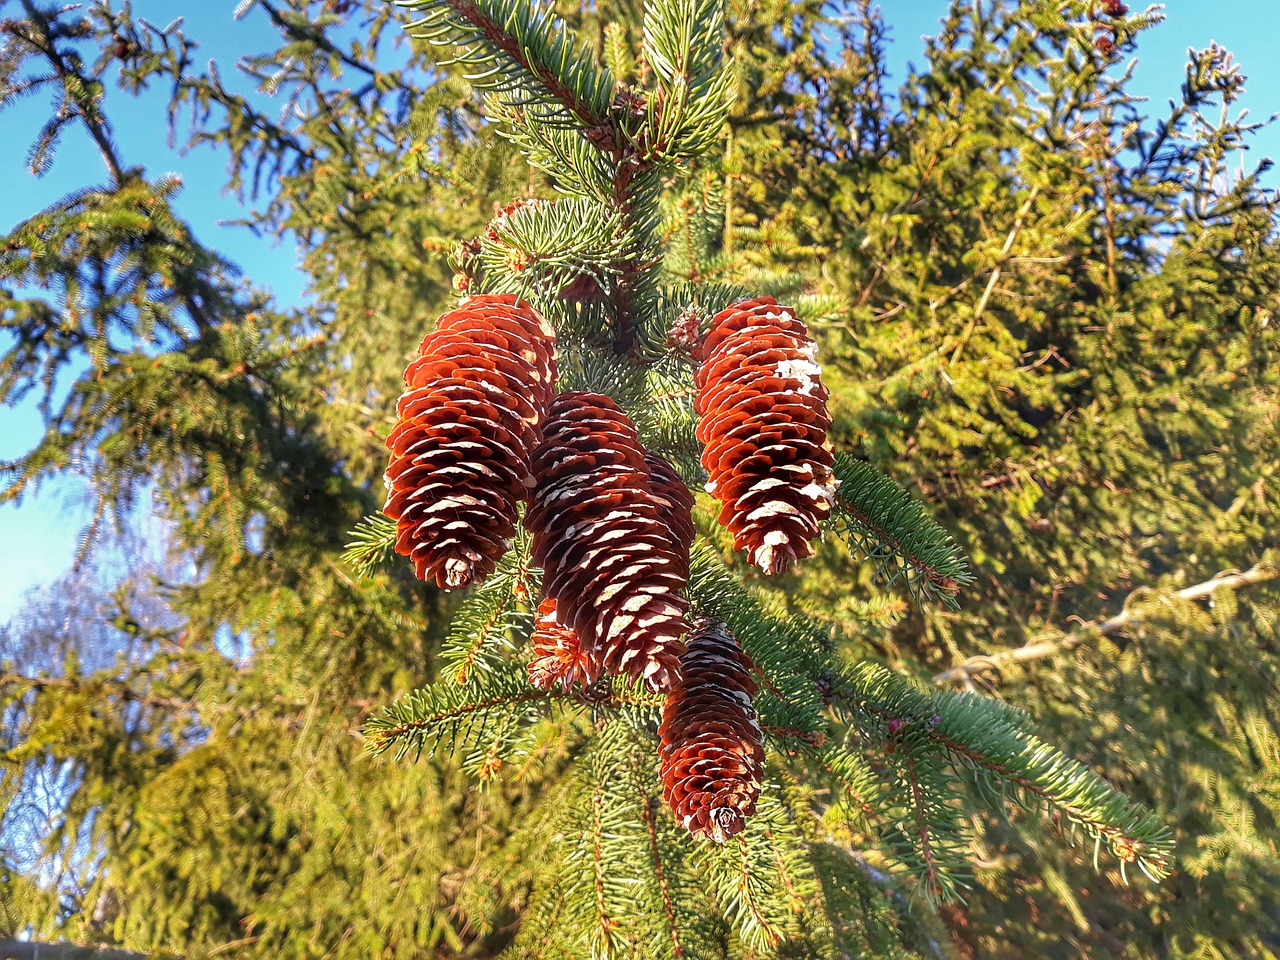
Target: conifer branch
931,875
371,544
881,520
422,720
683,44
1001,259
857,784
1042,648
76,100
490,617
990,737
525,55
541,247
648,807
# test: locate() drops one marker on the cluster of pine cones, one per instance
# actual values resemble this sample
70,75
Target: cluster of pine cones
481,430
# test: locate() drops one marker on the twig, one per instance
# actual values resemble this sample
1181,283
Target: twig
1041,649
995,274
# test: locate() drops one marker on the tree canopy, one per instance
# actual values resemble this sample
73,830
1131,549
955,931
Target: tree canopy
1047,321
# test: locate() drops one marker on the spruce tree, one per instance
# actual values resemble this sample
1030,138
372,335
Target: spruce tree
260,824
1060,334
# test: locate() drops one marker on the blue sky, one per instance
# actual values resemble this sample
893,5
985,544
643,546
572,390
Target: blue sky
39,535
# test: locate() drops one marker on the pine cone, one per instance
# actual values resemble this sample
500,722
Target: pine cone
712,753
675,505
763,421
557,652
468,422
603,543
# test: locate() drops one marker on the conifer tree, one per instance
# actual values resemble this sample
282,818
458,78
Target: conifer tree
748,869
1059,331
224,799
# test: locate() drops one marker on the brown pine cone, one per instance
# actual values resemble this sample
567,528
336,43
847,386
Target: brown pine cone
468,422
557,652
675,504
712,753
605,548
763,421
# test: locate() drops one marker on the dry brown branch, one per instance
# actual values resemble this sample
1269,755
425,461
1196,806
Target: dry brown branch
1045,647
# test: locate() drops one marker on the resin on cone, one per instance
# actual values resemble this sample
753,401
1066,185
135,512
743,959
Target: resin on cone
607,552
763,422
467,426
558,659
712,752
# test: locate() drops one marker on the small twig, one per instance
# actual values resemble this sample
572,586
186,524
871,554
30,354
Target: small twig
1041,649
995,274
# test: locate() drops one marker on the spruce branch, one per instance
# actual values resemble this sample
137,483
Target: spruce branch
445,712
526,55
485,616
1044,647
543,247
989,737
762,878
79,95
564,155
371,544
881,521
491,616
683,44
788,652
1001,262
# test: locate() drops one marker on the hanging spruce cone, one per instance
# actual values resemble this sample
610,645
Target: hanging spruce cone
557,652
763,421
468,422
606,551
675,505
712,753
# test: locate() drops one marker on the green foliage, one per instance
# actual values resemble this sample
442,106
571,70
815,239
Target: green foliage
1050,318
1059,332
882,522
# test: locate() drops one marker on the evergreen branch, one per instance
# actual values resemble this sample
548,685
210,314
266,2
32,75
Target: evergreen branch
1001,260
923,817
372,544
490,615
880,520
441,712
683,43
786,651
757,875
854,778
525,54
77,95
1042,648
102,688
117,688
543,246
993,738
565,155
648,819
